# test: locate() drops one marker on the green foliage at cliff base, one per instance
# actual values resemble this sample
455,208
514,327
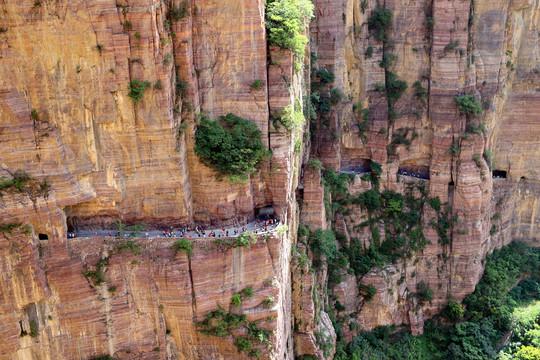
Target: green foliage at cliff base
494,309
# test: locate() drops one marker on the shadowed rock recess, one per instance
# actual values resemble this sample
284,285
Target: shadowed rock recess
401,145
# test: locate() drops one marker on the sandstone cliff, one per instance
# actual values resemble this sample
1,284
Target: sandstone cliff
66,120
451,48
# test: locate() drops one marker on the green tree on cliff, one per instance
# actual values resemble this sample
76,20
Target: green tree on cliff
380,22
231,146
469,105
285,22
137,88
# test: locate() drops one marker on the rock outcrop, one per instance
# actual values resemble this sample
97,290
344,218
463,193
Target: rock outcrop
94,156
450,49
147,303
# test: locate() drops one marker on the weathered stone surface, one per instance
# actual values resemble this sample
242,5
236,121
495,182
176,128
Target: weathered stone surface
303,308
468,50
313,211
109,159
147,301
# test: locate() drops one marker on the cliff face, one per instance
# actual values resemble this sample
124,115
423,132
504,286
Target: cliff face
114,159
451,48
147,305
106,158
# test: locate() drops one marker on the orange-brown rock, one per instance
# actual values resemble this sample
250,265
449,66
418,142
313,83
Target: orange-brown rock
146,302
107,158
466,49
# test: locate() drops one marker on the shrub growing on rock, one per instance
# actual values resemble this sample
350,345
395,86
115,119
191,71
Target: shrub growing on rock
247,292
380,22
453,311
35,115
236,299
469,105
315,164
292,117
245,240
243,344
231,146
323,244
369,52
182,245
423,292
368,292
394,87
419,91
136,89
19,180
285,21
257,84
326,76
178,13
268,302
33,329
8,228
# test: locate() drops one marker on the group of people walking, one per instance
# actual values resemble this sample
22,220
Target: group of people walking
419,175
200,232
261,225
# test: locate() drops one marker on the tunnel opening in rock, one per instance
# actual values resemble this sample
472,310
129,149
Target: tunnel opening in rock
522,178
265,212
500,174
356,166
451,189
416,171
70,227
71,221
300,193
43,237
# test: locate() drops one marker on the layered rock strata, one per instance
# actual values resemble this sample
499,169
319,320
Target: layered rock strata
100,158
451,49
95,157
147,304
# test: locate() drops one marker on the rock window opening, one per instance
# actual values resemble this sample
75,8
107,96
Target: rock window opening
43,237
499,174
416,171
357,166
23,332
266,212
300,193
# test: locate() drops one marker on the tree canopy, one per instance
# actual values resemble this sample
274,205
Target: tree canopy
285,22
231,146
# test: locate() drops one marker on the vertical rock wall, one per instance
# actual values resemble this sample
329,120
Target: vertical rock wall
149,314
107,158
451,48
